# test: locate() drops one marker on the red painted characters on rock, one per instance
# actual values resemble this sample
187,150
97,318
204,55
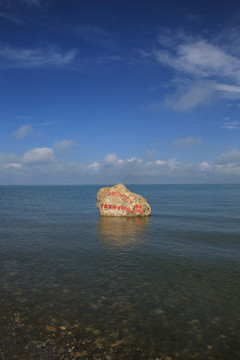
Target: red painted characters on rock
137,209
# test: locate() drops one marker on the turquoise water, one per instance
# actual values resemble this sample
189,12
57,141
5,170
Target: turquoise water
77,286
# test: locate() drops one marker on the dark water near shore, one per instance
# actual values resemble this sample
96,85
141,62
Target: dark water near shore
77,286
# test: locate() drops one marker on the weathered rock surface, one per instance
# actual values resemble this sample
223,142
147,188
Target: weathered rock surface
119,201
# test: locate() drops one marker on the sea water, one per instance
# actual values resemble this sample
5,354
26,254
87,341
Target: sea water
75,285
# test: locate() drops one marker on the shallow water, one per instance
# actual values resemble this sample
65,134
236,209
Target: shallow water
77,286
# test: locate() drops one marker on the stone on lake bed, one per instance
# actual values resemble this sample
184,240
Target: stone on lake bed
50,328
119,201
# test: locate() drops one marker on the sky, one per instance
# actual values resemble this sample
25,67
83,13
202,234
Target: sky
123,91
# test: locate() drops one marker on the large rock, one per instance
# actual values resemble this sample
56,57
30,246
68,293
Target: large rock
119,201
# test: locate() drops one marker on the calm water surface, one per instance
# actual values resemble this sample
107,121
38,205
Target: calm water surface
77,286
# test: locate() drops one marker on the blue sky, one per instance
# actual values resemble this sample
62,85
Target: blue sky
119,91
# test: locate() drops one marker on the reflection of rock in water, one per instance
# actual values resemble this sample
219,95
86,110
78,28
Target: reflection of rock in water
122,231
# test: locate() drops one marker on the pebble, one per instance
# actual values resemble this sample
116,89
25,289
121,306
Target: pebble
117,343
50,328
158,312
81,353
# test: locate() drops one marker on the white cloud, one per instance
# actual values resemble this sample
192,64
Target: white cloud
200,58
95,165
228,88
110,159
204,165
228,91
39,166
38,156
187,97
161,162
64,144
231,125
132,159
232,157
209,68
188,142
34,58
13,165
23,131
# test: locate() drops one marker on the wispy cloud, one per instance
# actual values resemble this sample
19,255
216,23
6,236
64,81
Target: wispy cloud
51,57
11,4
34,58
204,68
228,91
231,125
36,3
188,142
46,123
8,16
64,144
95,35
23,131
200,58
188,96
10,9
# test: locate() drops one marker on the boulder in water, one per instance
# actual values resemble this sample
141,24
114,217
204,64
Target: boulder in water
119,201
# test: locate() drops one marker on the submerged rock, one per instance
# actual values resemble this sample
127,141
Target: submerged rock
119,201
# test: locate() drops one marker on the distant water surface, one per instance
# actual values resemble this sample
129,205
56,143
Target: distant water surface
79,286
